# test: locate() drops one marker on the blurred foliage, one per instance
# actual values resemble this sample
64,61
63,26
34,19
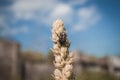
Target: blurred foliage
37,57
32,56
92,75
47,77
50,57
93,58
84,75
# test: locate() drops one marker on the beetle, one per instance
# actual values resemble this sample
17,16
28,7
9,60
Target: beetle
62,38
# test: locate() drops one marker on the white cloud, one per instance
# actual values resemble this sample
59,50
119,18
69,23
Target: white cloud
61,10
79,27
20,30
2,22
27,9
86,13
87,16
46,11
77,2
41,11
14,31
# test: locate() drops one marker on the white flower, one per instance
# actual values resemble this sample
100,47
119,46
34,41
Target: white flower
63,59
63,49
67,74
57,74
57,24
58,59
68,67
56,47
55,37
60,30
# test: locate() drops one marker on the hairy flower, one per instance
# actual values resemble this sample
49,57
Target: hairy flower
63,59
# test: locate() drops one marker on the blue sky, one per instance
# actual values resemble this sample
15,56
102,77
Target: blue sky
93,26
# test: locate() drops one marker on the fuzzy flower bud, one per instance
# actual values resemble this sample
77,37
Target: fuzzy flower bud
63,60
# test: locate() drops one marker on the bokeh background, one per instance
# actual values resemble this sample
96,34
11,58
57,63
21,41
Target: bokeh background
93,28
